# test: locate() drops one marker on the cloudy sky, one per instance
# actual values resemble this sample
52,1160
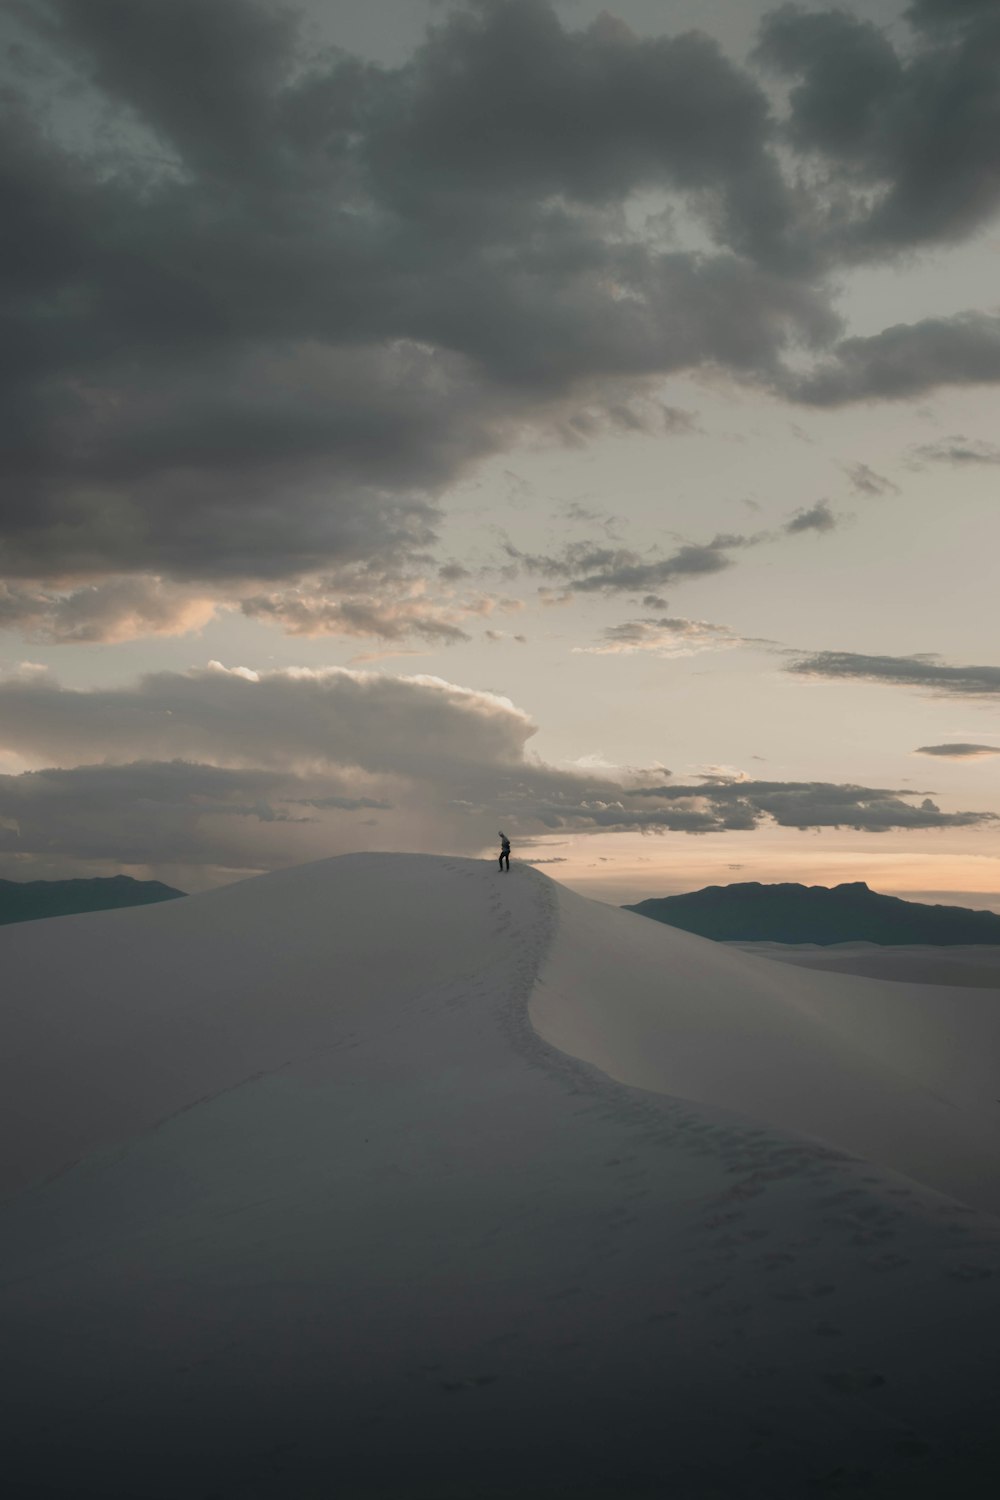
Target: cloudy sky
426,418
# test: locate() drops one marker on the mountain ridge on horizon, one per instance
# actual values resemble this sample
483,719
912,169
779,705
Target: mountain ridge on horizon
790,912
33,900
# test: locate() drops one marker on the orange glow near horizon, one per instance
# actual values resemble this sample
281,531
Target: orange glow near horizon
622,868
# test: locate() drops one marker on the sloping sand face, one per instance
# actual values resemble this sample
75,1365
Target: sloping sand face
302,1204
904,1075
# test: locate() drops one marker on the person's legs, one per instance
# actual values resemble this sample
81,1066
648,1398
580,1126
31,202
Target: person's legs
501,861
505,861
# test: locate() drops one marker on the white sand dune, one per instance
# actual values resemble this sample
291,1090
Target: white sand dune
391,1176
904,1076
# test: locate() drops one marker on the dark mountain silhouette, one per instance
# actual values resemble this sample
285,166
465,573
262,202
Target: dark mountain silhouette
28,900
750,912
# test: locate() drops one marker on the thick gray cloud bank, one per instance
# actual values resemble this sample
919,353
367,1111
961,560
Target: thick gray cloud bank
235,770
904,361
904,671
913,140
264,305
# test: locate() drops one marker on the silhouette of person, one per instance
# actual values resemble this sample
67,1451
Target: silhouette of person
504,851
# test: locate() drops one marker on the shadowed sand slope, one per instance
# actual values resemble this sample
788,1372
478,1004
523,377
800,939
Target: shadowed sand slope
115,1021
301,1204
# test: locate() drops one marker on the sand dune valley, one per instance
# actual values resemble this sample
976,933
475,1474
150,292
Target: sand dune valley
392,1176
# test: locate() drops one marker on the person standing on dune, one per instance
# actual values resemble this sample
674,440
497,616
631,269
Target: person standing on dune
504,851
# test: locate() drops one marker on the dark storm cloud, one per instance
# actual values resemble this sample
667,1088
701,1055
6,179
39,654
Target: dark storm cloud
818,517
503,95
909,142
959,751
845,70
903,671
949,13
260,319
217,767
267,303
903,361
207,79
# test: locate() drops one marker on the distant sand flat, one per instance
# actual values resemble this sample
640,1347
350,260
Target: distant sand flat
395,1178
976,964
